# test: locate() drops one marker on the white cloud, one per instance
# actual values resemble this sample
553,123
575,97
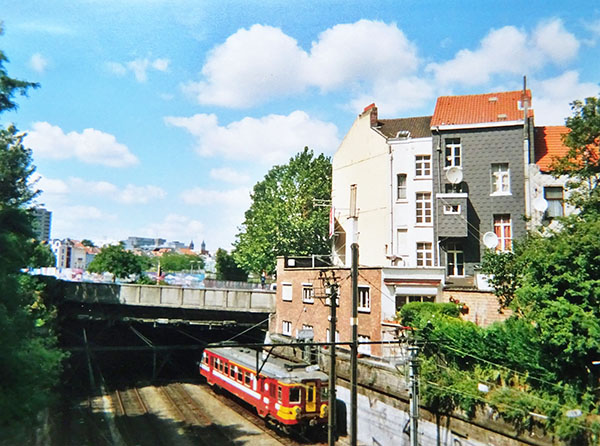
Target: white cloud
257,64
38,63
90,146
553,96
175,227
238,198
270,139
130,194
139,67
229,175
79,213
396,97
509,50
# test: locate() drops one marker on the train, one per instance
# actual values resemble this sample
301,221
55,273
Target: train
292,396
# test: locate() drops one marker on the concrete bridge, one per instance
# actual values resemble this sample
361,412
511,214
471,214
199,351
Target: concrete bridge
166,303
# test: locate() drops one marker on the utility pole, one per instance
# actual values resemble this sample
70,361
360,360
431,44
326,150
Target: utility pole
332,286
354,322
413,373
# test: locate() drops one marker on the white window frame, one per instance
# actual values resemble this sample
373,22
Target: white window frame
424,254
452,209
550,210
408,298
286,291
401,180
423,208
422,166
501,223
454,251
308,293
500,179
364,298
452,152
286,328
327,337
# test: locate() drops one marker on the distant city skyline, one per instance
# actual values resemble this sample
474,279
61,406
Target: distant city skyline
157,118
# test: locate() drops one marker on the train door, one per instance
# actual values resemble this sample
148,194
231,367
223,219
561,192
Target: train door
311,397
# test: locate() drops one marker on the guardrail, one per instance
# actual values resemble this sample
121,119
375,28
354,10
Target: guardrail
256,300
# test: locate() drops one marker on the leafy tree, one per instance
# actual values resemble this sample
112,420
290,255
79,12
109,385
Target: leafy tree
582,162
283,218
227,269
174,261
88,243
115,259
30,362
41,255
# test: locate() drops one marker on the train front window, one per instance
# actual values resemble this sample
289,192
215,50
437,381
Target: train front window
294,394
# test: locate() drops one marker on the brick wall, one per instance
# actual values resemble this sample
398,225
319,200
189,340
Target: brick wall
483,306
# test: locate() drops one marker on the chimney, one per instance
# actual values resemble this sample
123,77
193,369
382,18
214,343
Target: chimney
373,112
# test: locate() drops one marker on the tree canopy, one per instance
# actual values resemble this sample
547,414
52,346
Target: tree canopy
115,259
283,218
226,267
30,362
174,261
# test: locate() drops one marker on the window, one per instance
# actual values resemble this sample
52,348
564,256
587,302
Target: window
453,188
364,299
233,371
450,209
247,378
286,292
500,179
294,395
279,394
554,197
402,300
503,231
401,186
452,152
240,375
226,369
308,293
423,207
287,328
402,242
364,348
455,260
424,254
337,336
423,166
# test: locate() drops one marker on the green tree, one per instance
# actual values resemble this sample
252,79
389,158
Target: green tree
283,218
41,255
227,268
30,362
582,162
88,243
115,259
174,261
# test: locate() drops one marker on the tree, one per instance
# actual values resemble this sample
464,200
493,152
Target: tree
88,243
174,261
30,362
41,255
582,162
227,269
115,259
283,218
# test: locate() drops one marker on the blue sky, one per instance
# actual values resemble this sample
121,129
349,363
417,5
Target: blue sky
155,118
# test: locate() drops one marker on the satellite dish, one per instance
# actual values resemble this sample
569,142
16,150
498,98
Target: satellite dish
454,174
540,204
490,240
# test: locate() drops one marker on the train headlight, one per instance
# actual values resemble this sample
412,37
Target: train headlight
324,411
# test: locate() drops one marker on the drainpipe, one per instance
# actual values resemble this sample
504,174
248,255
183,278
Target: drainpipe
392,252
526,155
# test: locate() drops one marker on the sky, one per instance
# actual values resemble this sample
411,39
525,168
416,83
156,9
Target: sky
155,118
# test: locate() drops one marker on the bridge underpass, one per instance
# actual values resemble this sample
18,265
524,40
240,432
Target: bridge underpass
152,332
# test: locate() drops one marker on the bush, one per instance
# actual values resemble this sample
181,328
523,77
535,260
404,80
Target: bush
418,314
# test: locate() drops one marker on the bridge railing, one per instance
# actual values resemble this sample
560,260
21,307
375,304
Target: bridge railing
256,300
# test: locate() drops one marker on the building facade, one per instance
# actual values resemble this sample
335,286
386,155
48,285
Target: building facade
42,224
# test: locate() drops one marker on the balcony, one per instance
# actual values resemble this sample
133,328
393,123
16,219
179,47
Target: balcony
452,216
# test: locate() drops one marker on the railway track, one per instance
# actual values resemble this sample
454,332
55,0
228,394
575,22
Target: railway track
248,413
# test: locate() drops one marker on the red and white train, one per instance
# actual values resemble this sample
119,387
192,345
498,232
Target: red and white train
291,395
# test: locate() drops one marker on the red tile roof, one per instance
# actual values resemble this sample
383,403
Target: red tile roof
549,145
479,108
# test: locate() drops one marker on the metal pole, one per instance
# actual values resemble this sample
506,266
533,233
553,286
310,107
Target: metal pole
331,433
354,349
414,394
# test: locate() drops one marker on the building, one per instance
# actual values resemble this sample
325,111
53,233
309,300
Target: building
73,254
144,242
42,224
302,300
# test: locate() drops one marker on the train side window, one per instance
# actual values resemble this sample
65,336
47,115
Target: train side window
240,376
294,394
205,358
247,378
279,393
324,393
217,363
232,371
226,368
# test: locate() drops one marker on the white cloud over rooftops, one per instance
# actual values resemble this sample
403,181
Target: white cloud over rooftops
91,146
267,140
